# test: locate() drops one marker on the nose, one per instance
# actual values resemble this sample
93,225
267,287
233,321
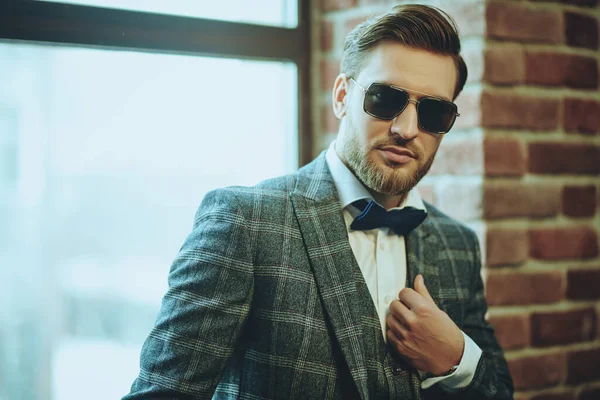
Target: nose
406,125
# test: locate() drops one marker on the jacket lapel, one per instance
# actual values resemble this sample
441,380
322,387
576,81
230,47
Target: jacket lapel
423,248
317,210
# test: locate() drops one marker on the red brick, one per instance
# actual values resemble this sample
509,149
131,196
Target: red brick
563,327
504,65
564,158
329,121
329,71
545,68
518,22
554,396
504,156
579,201
581,30
598,326
525,112
537,371
582,115
524,288
332,5
589,394
583,366
512,331
582,3
506,247
563,243
327,35
553,69
517,199
580,72
583,284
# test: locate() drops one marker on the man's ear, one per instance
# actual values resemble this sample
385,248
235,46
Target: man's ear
340,91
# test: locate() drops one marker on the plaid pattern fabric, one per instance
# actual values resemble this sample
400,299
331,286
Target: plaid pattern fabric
266,301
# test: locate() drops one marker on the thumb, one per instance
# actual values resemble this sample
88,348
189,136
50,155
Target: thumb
421,288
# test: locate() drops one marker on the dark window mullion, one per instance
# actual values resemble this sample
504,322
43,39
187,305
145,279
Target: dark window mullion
94,26
305,129
90,26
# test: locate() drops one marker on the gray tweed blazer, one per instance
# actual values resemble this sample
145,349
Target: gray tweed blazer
266,301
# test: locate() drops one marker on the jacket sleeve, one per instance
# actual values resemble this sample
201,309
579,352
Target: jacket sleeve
204,310
492,378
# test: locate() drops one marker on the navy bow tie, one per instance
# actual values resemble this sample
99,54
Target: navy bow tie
401,222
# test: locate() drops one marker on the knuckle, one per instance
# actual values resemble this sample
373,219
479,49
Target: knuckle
422,309
411,321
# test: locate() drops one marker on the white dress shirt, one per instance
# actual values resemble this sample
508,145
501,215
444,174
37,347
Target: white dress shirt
381,256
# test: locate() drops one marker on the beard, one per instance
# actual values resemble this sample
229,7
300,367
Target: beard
387,178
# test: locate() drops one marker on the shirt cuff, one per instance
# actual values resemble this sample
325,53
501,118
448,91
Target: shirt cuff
465,372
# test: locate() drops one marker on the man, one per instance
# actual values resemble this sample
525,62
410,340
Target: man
305,287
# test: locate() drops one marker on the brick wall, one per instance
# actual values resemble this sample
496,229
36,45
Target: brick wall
522,168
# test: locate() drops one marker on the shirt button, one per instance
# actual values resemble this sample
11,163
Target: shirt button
388,300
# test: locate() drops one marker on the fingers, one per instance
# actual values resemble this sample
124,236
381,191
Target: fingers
393,338
411,299
400,312
421,288
396,327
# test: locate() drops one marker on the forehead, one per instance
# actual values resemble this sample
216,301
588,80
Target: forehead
410,68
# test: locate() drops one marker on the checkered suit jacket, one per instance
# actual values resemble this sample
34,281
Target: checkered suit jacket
266,301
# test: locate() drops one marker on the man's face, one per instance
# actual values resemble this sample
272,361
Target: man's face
371,147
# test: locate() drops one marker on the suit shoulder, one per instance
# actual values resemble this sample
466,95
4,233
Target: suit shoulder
272,190
446,222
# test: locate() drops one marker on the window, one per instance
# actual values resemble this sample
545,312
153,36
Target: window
107,146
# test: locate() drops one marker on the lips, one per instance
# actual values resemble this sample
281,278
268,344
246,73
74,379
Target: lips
398,151
396,156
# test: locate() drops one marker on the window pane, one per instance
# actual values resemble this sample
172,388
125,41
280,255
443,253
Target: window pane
263,12
106,156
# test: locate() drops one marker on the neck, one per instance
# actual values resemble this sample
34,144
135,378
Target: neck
388,201
385,200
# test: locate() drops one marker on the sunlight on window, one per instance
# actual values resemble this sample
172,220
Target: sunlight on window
264,12
111,154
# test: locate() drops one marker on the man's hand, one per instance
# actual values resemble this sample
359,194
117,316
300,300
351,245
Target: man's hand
421,333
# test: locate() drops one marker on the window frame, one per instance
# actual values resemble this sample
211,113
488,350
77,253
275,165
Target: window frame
41,22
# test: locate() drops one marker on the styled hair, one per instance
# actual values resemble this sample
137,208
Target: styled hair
413,25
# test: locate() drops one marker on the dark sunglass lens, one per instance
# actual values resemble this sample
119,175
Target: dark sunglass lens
384,102
436,116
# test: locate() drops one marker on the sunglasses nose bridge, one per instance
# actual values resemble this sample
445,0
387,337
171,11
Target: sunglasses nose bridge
408,101
405,123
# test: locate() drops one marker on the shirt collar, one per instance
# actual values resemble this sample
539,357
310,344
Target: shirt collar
350,189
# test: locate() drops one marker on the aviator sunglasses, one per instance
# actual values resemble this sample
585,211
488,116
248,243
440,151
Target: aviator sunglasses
386,102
